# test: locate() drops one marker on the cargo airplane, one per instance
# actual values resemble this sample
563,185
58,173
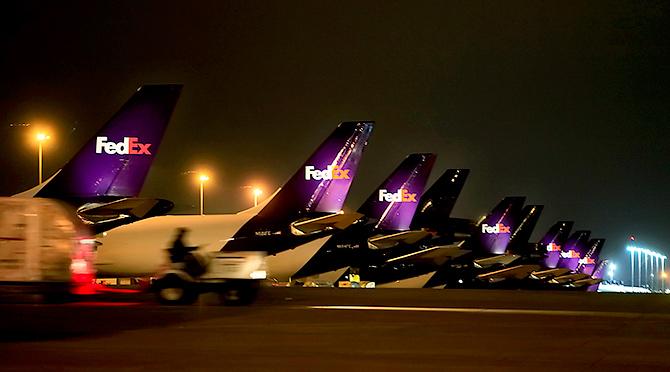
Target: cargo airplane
290,226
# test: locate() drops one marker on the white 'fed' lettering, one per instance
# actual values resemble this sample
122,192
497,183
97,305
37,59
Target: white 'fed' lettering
129,146
332,172
400,196
495,229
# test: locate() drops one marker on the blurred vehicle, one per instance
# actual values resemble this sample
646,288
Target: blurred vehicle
236,276
44,249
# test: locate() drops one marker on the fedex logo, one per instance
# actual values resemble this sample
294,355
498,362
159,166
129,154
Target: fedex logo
587,261
570,254
553,247
332,172
495,229
400,196
129,146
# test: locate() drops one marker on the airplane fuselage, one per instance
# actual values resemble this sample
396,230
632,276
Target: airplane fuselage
139,249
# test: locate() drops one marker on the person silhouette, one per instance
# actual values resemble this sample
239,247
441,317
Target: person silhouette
179,250
180,253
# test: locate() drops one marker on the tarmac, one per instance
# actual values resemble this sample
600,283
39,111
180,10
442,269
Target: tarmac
331,329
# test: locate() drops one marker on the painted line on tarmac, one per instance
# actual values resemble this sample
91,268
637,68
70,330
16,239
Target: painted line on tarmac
466,310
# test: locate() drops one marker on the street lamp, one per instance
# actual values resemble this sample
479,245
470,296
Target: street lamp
257,192
203,178
41,137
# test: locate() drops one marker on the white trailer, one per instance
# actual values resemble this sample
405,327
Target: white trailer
43,249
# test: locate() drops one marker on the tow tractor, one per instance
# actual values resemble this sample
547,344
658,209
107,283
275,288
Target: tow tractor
235,276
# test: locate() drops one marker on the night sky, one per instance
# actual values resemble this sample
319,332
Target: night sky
566,103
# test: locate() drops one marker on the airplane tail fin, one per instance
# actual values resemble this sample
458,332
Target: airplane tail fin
116,160
438,201
518,242
588,262
393,204
322,183
497,227
574,249
553,242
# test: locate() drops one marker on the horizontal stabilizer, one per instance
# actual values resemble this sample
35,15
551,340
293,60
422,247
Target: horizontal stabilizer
137,208
517,272
546,274
500,260
585,282
568,278
437,254
404,237
338,221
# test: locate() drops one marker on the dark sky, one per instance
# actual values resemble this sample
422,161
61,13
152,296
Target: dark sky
566,103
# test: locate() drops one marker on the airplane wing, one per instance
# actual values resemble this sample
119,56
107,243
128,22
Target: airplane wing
332,221
546,274
138,208
563,279
438,254
516,272
500,260
405,237
585,282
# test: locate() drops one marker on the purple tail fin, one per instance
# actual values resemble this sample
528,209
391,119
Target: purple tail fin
322,183
436,204
116,161
518,242
496,229
553,241
574,249
588,262
393,204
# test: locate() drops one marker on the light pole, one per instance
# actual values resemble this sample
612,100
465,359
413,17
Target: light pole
203,178
663,274
658,268
632,267
663,277
257,192
41,137
639,268
611,271
646,267
653,271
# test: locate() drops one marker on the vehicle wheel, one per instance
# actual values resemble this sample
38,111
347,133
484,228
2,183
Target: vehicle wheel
173,290
237,294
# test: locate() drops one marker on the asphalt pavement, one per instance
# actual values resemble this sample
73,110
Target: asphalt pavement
308,329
